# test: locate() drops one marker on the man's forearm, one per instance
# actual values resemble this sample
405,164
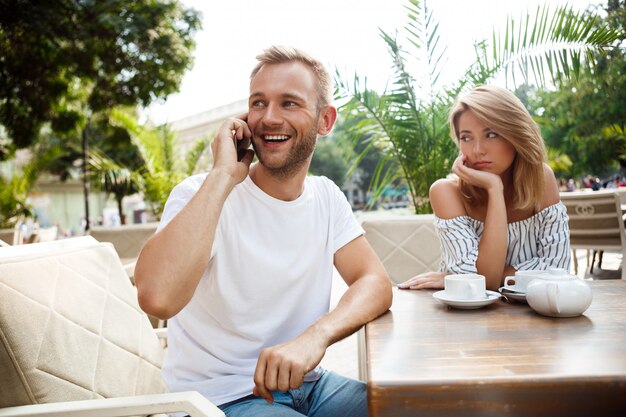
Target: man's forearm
369,297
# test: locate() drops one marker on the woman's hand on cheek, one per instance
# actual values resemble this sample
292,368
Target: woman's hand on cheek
475,177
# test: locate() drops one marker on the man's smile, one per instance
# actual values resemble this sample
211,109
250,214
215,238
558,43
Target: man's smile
275,138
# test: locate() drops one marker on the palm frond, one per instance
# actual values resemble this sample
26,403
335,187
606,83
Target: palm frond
408,121
195,154
549,43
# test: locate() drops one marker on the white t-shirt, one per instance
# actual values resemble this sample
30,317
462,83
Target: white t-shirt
268,279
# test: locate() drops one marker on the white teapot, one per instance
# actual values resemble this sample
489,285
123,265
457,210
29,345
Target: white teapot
558,294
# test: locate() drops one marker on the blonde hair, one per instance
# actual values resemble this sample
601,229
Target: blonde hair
284,54
502,111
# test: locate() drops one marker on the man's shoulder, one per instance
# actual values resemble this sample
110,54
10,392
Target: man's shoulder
322,185
196,179
191,183
320,181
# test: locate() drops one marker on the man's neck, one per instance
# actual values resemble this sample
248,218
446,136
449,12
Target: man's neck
285,189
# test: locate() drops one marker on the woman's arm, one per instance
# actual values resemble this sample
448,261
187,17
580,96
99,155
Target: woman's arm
494,241
493,244
458,240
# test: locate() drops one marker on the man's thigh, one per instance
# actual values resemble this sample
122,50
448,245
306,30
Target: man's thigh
331,396
257,407
336,395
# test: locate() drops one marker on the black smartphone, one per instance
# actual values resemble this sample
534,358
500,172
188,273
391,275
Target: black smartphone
241,148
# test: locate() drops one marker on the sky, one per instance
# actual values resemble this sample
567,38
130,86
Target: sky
344,34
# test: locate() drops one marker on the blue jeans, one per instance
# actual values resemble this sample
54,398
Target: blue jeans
331,395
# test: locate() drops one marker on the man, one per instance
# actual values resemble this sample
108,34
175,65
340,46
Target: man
243,259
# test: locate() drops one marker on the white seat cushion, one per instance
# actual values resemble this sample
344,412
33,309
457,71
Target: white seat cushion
70,326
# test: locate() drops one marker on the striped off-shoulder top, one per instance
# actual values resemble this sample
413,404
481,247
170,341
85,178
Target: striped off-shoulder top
538,242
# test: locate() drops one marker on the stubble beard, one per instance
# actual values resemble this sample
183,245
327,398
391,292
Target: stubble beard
298,156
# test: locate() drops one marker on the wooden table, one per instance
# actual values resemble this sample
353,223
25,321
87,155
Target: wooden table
425,359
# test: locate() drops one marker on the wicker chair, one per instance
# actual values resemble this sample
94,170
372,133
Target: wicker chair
595,223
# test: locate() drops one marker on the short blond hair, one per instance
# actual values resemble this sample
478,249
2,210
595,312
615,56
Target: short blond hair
284,54
500,110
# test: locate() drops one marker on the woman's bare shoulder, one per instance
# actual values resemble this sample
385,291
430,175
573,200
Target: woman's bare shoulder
446,199
551,195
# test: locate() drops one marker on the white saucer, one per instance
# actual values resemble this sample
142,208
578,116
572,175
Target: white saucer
513,294
512,288
492,296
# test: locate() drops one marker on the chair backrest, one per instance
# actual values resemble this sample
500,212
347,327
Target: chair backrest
407,245
127,240
46,234
595,220
70,326
7,235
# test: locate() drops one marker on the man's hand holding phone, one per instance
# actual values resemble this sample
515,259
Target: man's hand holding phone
230,148
242,147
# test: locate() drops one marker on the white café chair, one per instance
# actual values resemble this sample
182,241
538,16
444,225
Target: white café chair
73,341
127,239
7,236
12,236
407,245
595,223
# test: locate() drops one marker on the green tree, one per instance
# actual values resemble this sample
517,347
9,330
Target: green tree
409,122
329,160
105,141
557,160
340,156
362,157
62,61
14,205
368,174
585,118
113,179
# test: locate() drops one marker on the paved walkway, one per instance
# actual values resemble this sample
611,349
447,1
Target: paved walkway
342,356
611,265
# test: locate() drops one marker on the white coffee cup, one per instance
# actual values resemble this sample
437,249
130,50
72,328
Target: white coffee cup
465,286
520,281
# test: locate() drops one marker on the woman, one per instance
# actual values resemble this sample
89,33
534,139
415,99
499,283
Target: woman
502,213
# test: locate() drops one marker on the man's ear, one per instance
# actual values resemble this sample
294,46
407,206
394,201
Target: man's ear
327,119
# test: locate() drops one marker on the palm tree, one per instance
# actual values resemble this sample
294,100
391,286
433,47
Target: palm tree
409,121
112,178
165,165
